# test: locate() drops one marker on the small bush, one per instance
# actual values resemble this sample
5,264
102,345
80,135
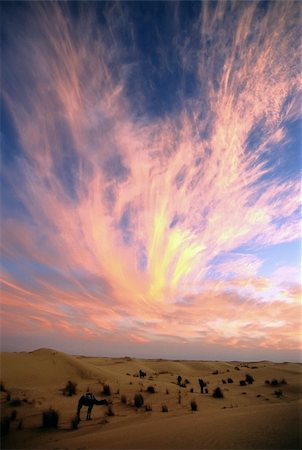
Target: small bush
242,383
138,400
223,381
230,380
148,407
164,408
106,390
167,391
283,381
124,399
249,379
74,423
274,382
278,393
50,418
215,372
15,402
13,415
187,381
5,425
192,390
150,390
70,389
194,405
236,368
217,393
179,378
267,382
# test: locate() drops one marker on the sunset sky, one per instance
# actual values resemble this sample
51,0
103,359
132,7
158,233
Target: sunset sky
151,160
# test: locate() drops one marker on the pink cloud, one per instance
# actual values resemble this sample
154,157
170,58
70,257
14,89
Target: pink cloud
191,199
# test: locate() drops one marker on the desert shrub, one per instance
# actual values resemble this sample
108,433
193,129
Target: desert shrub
223,381
230,380
217,393
50,418
236,368
249,379
164,408
15,402
192,390
215,372
267,382
70,389
206,391
167,391
179,378
242,383
110,412
74,423
13,415
283,381
124,399
278,393
106,390
138,400
151,390
2,387
194,405
148,407
187,381
5,425
274,382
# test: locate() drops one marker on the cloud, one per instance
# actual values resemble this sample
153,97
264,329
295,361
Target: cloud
137,208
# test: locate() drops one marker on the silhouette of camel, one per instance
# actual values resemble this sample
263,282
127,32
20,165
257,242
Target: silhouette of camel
89,400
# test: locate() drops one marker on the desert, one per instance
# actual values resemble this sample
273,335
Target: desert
258,403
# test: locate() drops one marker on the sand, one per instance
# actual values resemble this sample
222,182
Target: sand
247,417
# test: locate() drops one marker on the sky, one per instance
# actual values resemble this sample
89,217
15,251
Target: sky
150,187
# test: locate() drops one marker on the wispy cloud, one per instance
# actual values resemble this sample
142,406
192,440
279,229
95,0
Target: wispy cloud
131,209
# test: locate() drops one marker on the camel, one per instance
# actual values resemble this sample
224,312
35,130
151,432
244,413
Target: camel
89,400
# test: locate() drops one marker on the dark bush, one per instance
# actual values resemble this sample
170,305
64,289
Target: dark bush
242,383
223,381
150,390
164,408
50,418
70,389
15,402
13,415
74,423
148,407
267,382
249,379
215,372
179,378
274,382
278,393
2,387
194,406
236,368
167,391
192,390
187,381
5,425
283,381
217,393
106,390
124,399
230,380
138,400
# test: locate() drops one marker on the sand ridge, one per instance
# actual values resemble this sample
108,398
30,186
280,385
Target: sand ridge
250,416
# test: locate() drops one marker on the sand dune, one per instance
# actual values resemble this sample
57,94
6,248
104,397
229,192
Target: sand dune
250,416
